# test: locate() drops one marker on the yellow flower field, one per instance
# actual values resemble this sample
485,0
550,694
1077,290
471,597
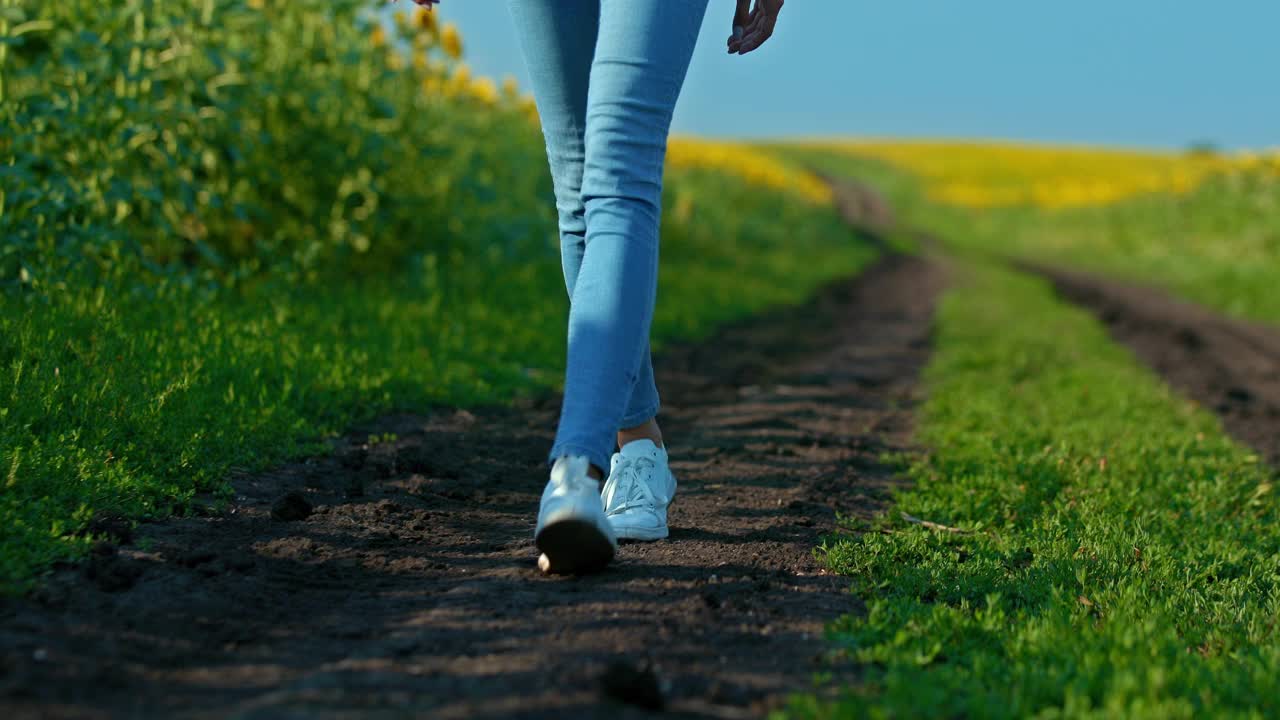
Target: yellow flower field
451,77
751,164
994,174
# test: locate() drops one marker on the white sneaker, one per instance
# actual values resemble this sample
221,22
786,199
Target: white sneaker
638,491
573,533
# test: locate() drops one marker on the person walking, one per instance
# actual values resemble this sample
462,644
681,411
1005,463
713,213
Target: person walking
606,75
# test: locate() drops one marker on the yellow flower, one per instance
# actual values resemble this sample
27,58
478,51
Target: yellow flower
425,20
530,109
255,4
378,37
484,90
460,81
510,88
451,41
983,175
753,166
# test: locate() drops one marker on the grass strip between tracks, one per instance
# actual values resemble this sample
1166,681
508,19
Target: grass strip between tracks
1218,245
1123,553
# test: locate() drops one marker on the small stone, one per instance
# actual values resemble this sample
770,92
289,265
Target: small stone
1240,394
292,506
632,685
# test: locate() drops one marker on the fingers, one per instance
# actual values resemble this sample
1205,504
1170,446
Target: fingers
749,24
741,16
760,28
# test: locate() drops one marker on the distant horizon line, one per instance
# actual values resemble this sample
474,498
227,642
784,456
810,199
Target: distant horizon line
1188,147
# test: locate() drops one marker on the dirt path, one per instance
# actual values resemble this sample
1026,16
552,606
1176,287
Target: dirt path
410,587
1229,366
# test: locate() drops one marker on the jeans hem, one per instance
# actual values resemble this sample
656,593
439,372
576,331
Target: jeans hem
560,450
636,418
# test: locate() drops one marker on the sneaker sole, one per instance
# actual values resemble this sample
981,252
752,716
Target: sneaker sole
572,547
641,534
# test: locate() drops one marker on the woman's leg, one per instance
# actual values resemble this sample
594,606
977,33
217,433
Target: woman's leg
558,38
642,52
638,420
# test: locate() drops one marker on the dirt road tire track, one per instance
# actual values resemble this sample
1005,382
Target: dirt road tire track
1229,366
401,578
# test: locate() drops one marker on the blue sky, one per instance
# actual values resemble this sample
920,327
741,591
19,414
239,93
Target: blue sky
1114,72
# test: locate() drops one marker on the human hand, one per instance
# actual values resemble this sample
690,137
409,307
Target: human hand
752,27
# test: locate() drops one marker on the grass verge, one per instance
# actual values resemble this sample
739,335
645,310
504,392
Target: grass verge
1123,555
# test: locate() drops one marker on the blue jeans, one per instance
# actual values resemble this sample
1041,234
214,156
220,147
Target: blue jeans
605,76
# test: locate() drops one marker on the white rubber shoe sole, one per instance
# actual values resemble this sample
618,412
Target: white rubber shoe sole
640,534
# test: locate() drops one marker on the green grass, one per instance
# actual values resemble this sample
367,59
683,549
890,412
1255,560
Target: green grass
1124,555
1219,245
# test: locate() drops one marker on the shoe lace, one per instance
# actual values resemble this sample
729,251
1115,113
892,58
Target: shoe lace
626,483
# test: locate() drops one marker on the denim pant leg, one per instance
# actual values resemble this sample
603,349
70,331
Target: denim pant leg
642,53
558,40
585,63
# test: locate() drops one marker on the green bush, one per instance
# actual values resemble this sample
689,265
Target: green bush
195,140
